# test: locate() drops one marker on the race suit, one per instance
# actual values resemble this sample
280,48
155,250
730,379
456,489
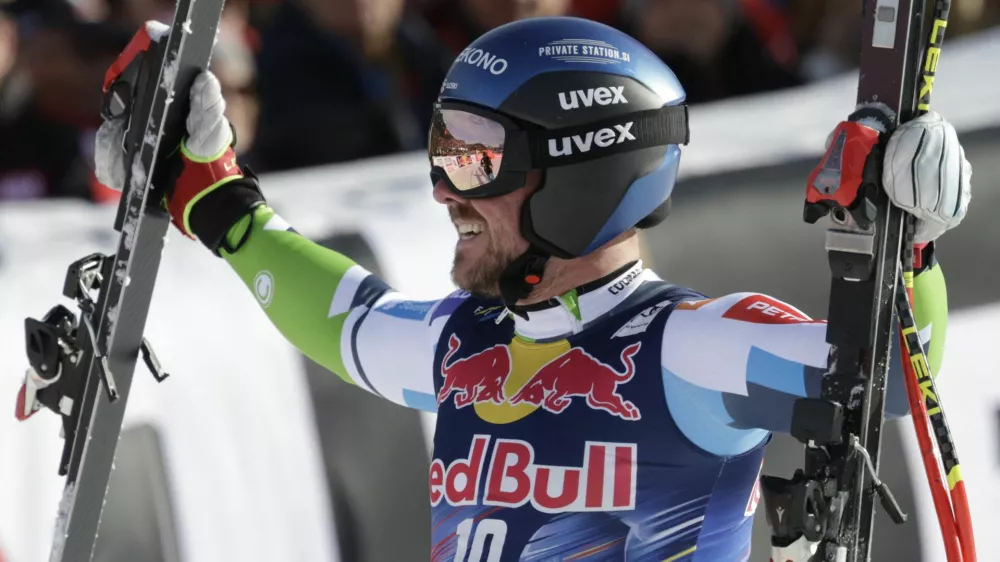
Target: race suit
624,420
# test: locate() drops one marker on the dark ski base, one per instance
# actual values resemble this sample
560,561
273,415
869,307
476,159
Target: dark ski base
101,350
832,499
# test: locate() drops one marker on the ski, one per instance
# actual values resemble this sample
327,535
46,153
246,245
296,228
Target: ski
826,511
72,359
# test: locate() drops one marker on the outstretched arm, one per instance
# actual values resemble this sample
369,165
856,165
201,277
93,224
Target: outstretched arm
734,366
334,311
339,314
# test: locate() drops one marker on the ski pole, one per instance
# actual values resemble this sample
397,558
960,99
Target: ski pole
925,407
912,364
956,527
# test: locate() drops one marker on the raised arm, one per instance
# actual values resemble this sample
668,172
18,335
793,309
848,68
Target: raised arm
333,310
339,314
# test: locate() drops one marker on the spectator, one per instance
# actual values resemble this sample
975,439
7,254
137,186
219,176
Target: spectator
605,11
133,13
48,130
233,63
459,22
8,46
346,79
710,45
487,165
831,34
970,16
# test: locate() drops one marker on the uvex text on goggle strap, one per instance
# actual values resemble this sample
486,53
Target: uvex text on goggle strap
480,153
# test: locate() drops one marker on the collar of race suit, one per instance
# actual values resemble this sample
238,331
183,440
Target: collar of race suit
576,309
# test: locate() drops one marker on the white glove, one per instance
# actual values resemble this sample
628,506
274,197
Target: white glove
109,157
209,133
926,174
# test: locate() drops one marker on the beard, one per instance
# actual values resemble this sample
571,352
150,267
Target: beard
480,274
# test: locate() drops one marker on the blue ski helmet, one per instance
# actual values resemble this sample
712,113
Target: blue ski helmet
594,109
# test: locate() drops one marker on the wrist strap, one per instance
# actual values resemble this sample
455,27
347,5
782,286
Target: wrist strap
196,180
218,211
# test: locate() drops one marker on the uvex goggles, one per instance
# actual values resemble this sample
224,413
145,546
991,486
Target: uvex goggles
479,153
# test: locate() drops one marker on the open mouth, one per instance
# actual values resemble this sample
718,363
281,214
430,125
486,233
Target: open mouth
467,231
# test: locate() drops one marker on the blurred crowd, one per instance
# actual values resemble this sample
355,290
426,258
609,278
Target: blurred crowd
311,82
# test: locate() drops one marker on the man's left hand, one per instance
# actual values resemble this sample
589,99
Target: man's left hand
926,174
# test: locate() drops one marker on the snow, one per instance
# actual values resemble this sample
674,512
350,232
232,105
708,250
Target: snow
138,184
112,318
62,519
169,75
129,229
157,30
133,213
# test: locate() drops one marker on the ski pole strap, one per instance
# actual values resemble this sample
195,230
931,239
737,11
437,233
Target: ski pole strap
197,179
220,210
919,259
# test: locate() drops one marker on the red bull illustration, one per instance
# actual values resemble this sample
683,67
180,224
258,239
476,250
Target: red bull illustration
481,378
477,378
578,373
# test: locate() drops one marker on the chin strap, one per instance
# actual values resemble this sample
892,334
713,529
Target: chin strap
521,276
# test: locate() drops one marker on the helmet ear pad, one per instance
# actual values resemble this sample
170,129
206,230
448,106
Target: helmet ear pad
572,204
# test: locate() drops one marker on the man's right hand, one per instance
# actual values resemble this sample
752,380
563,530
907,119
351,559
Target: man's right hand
204,164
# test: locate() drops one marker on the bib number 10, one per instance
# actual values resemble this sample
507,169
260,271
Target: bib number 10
495,529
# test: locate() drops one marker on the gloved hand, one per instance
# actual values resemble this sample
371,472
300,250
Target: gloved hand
206,175
926,174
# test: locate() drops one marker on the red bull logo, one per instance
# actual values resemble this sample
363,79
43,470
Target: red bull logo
605,482
578,374
485,378
477,378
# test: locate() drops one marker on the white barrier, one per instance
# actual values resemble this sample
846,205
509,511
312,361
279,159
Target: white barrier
236,427
234,416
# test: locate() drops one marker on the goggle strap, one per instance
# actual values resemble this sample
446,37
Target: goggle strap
580,143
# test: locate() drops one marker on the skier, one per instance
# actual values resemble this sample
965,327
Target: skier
487,165
585,407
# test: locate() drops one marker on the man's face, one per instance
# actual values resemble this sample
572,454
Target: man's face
489,235
66,84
